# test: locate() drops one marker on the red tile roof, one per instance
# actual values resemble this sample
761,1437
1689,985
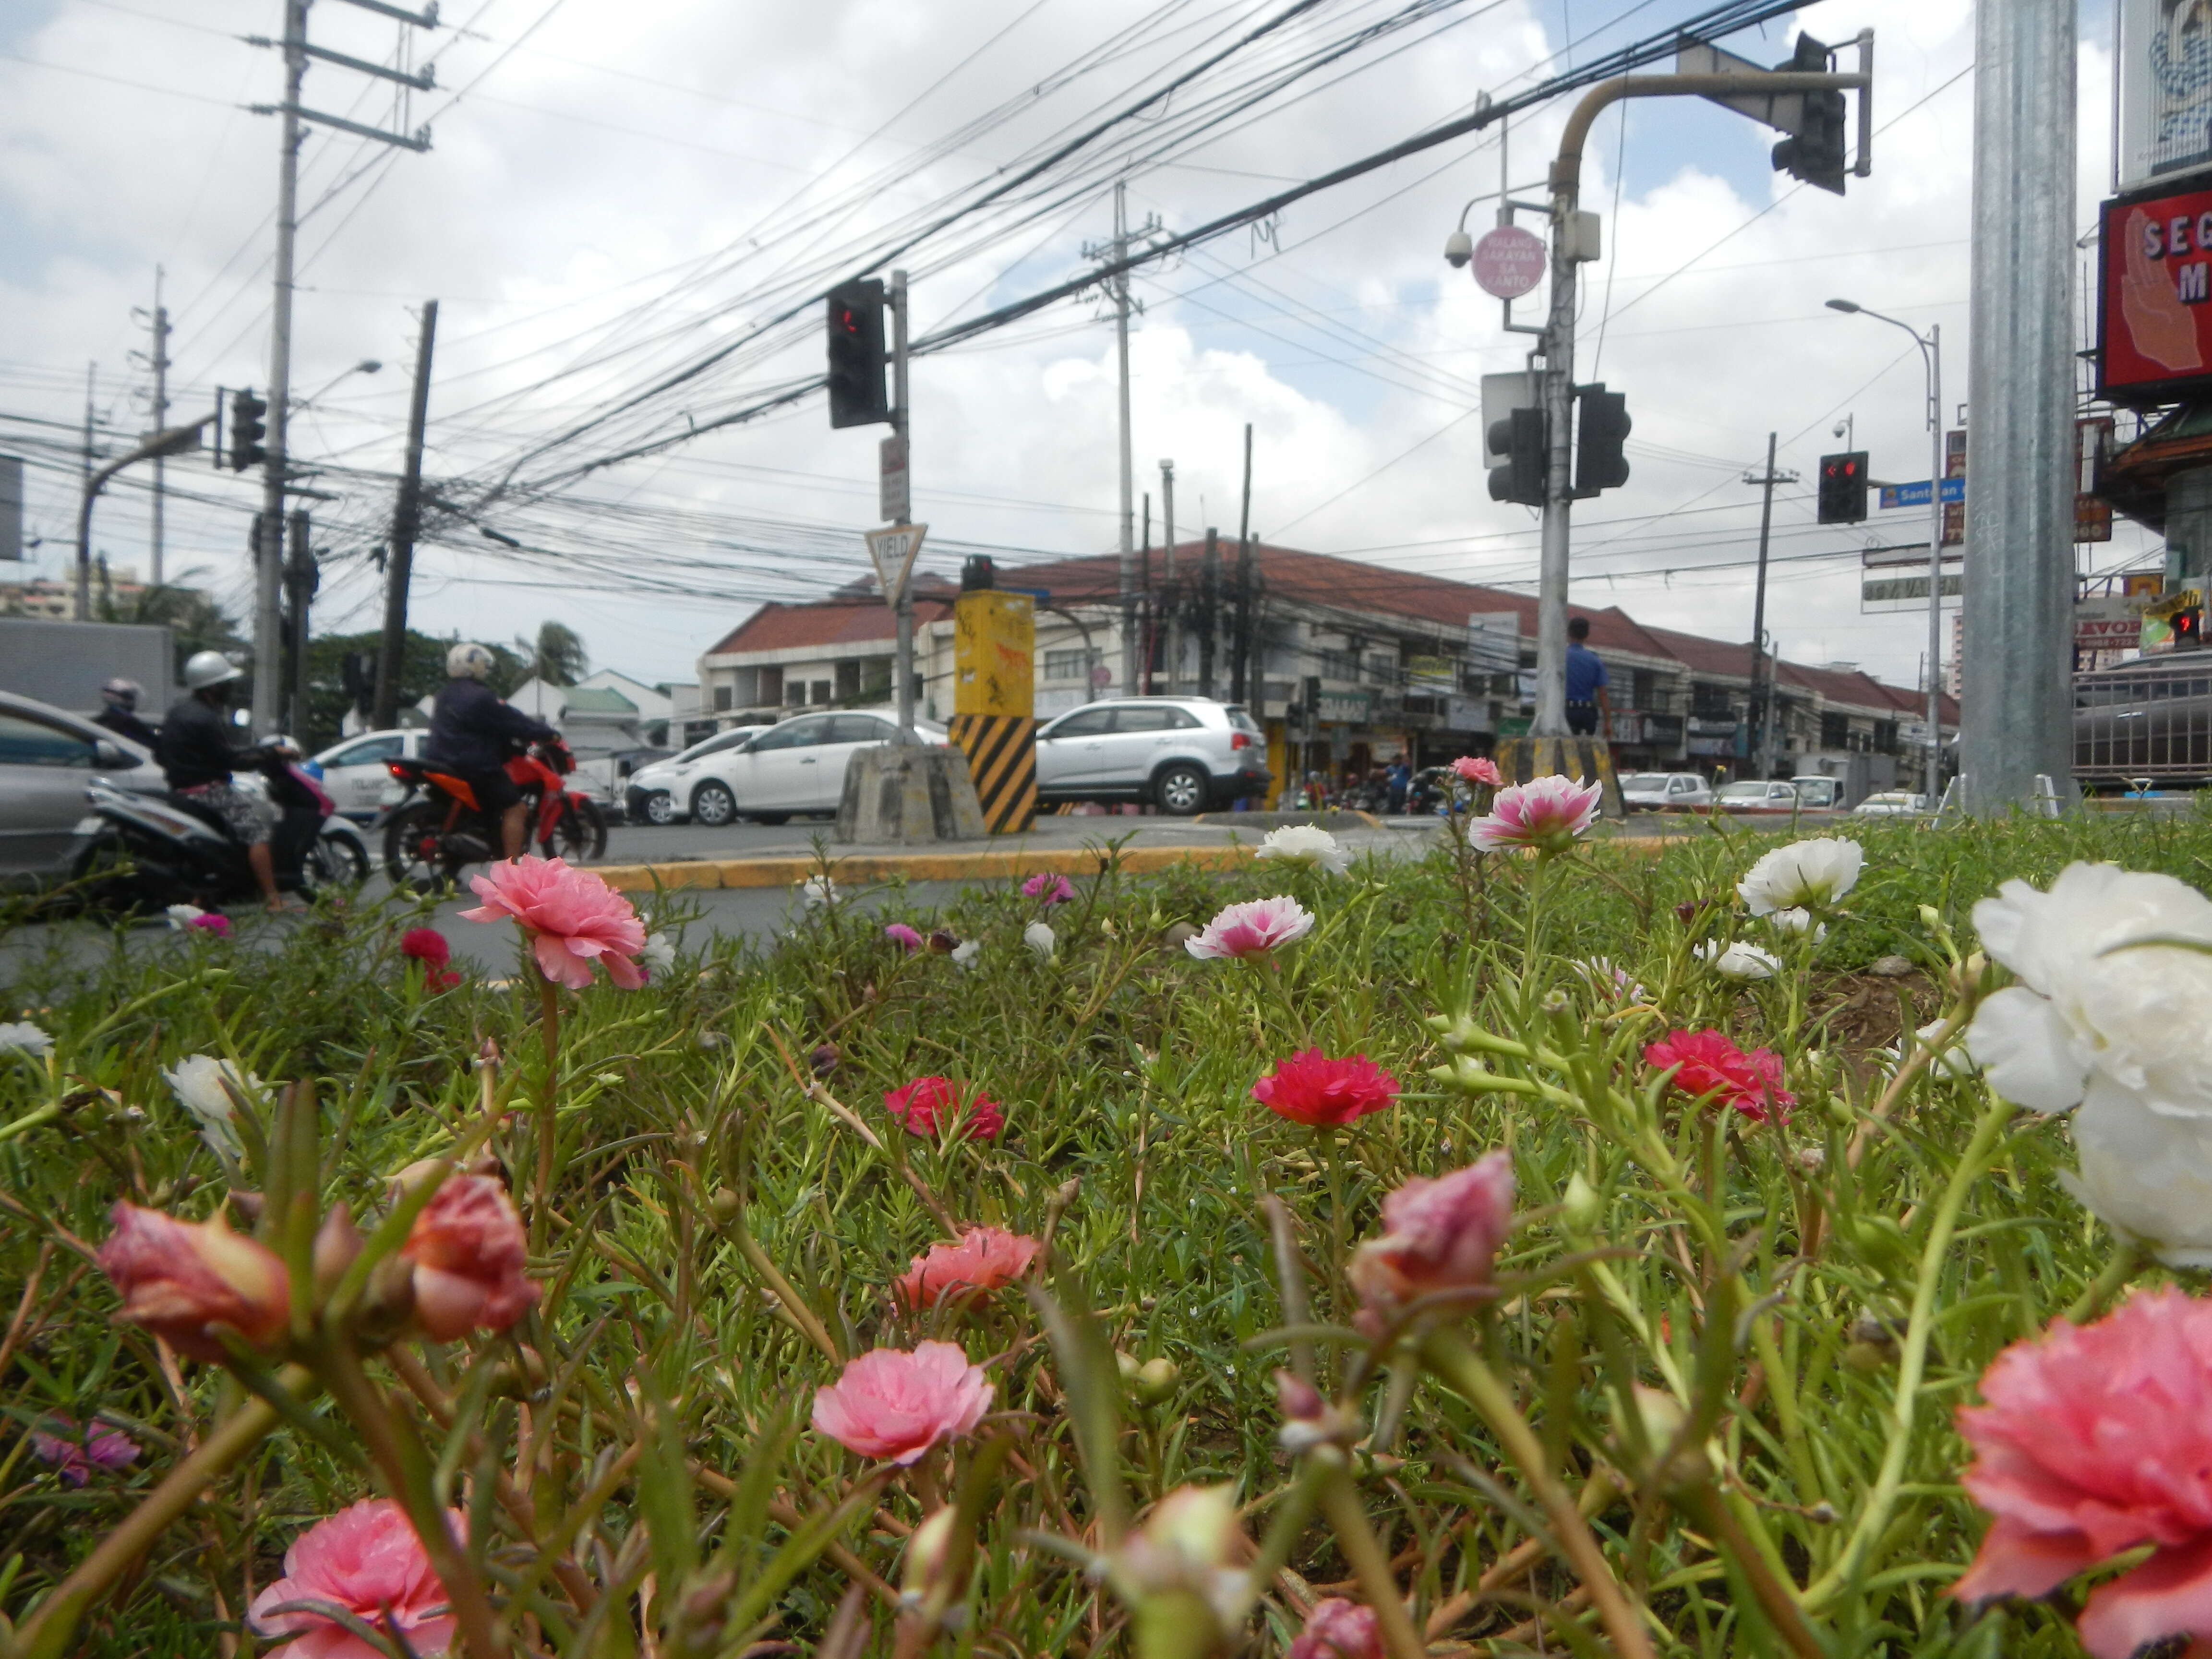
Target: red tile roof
862,619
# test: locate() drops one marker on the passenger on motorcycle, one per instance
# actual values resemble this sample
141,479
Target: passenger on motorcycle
197,758
471,731
120,713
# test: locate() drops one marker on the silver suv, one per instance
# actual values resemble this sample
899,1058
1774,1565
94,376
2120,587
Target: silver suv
1182,755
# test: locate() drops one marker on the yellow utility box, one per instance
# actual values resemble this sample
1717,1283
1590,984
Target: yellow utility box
995,702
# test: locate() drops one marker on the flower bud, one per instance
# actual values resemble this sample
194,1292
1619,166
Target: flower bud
1337,1629
1128,1365
469,1252
1175,1573
943,942
1581,1208
336,1243
927,1554
1661,1418
1440,1234
181,1279
1811,1159
823,1058
1931,918
724,1206
1156,1380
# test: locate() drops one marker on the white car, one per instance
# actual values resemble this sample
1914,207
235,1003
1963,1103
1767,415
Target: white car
1891,804
1665,792
1758,795
795,766
358,775
661,792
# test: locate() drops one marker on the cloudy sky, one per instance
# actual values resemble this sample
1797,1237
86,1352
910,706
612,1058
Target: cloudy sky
622,203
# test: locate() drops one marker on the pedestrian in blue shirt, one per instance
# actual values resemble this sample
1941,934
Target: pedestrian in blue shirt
1586,682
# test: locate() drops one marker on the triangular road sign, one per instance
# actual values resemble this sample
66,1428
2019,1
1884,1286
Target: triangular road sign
893,551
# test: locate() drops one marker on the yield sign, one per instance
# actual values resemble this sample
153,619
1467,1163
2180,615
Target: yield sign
893,551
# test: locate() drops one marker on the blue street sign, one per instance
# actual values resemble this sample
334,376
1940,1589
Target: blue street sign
1915,495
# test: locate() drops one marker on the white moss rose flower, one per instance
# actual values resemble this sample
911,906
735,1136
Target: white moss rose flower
1041,939
1306,844
22,1037
1797,919
2147,1176
2086,1011
1740,961
199,1082
1804,875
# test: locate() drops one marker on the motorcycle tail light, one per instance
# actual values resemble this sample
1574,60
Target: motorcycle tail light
397,771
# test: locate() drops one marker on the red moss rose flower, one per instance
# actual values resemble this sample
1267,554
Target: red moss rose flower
180,1278
1311,1089
1337,1629
928,1101
985,1259
469,1252
1713,1068
2096,1440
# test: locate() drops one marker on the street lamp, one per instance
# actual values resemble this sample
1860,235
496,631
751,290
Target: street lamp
366,366
175,441
1931,355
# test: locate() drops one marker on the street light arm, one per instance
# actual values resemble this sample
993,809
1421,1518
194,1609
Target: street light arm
1567,169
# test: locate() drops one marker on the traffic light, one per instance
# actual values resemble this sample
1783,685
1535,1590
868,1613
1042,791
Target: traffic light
1602,430
1843,488
246,431
2189,630
1815,151
1521,437
856,354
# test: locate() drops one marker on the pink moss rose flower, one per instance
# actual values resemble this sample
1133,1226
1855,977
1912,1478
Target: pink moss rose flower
1338,1628
1440,1234
1546,813
1050,887
929,1102
1473,769
1311,1089
986,1259
895,1405
180,1278
2095,1440
1251,929
75,1452
1713,1068
366,1561
904,937
211,923
468,1251
571,915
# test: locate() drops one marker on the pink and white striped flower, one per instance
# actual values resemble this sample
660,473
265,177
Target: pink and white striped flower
1252,929
1546,813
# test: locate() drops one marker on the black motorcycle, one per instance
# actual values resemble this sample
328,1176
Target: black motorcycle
153,851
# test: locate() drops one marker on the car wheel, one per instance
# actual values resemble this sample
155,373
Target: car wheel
715,806
660,807
1181,790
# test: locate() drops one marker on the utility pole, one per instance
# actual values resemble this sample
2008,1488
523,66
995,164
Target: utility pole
1170,632
2019,382
160,366
1762,676
301,580
269,532
904,658
406,525
1241,674
1116,252
1143,685
1209,606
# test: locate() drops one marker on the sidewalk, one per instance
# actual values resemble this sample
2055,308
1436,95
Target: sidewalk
1068,846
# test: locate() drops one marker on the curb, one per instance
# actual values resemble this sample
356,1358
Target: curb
913,866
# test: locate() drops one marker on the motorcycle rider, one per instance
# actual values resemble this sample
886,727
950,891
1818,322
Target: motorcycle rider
472,730
120,714
197,758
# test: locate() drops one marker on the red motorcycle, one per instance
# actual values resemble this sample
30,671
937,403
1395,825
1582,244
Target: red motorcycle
437,829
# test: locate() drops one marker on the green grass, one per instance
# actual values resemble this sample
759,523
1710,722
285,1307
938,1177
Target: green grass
1124,1068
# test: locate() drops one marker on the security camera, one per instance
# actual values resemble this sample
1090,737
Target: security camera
1459,248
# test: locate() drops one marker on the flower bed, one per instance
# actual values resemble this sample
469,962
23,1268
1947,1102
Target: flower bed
1546,1248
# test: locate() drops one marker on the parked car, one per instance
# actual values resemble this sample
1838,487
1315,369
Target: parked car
47,757
660,792
1758,795
1891,804
357,773
796,765
1666,792
1818,793
1182,755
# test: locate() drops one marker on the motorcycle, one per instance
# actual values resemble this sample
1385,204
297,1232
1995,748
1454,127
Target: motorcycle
151,851
436,828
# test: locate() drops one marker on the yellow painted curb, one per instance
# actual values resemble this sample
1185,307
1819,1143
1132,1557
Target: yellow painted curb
915,866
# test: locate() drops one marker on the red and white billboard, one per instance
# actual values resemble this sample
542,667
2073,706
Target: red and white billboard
2154,302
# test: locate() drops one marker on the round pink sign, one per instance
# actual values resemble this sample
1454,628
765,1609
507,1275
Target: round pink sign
1508,262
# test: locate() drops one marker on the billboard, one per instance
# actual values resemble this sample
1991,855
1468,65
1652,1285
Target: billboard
2165,88
2153,321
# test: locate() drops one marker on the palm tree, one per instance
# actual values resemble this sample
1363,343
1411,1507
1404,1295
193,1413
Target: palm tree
558,658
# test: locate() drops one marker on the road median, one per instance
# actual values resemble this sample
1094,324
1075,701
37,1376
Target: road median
979,865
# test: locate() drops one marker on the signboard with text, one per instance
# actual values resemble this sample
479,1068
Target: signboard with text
2165,91
2155,298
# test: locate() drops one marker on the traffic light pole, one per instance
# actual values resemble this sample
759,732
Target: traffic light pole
902,659
1558,343
1762,666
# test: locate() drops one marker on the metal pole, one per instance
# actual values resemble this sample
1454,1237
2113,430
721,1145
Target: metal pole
1128,462
902,660
161,418
268,542
84,515
1762,699
1550,720
406,523
2020,383
300,579
1931,349
1167,581
1243,686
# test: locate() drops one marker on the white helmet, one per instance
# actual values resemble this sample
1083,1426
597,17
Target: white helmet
468,662
207,668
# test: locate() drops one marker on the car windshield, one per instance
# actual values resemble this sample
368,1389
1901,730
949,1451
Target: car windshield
1743,792
1645,783
719,742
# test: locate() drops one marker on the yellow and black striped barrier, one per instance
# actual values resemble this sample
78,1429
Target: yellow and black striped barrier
1001,751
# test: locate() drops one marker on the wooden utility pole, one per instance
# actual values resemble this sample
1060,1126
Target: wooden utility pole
406,520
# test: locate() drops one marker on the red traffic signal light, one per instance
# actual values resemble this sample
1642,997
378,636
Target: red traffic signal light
1843,488
2188,630
857,397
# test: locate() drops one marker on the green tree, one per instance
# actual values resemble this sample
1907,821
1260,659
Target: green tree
422,671
558,656
195,620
